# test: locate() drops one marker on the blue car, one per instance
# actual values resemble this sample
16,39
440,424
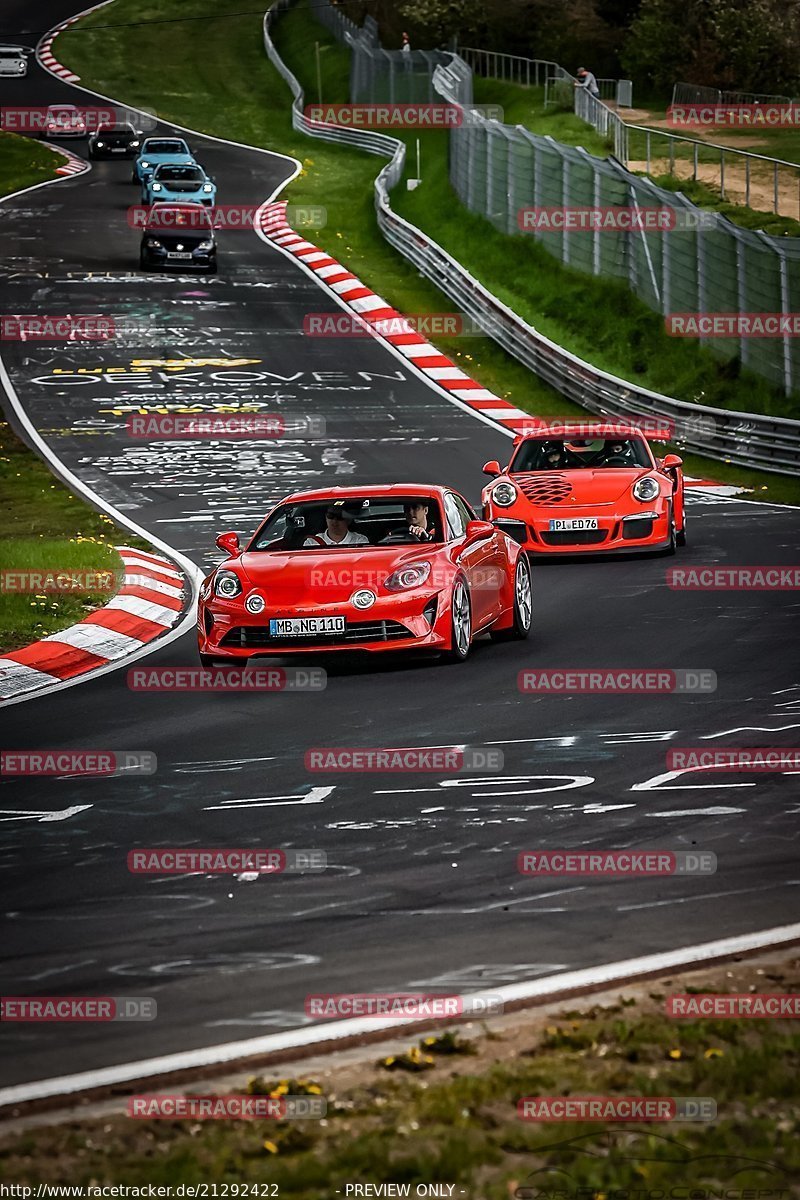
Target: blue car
185,183
156,150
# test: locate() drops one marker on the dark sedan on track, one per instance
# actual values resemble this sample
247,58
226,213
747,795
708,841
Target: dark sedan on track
178,236
114,141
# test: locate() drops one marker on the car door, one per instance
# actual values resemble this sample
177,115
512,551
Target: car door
477,559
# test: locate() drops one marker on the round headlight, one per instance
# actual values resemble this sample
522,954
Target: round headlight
255,604
227,584
208,187
144,163
646,489
156,187
363,598
504,494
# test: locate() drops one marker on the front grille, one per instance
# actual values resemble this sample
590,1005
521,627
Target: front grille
257,637
574,537
638,528
543,488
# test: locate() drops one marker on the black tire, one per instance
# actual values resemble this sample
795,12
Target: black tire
212,270
680,536
144,265
209,660
669,549
460,623
523,606
134,177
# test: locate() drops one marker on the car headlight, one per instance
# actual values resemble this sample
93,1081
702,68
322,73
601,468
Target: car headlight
255,604
205,245
156,187
227,584
414,575
646,489
208,187
504,494
155,243
99,145
144,163
132,145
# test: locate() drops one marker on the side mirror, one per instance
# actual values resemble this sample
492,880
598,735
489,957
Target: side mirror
477,530
492,468
671,460
229,542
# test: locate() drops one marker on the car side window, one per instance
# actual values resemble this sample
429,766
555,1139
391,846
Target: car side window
456,517
467,514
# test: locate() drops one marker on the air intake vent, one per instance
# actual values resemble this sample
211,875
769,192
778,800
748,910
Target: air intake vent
543,487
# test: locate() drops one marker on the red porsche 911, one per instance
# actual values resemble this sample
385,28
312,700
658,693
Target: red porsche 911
592,488
398,567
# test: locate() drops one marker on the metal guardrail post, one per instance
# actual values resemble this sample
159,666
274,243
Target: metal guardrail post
787,349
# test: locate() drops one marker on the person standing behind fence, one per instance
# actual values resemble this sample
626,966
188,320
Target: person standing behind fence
587,81
406,49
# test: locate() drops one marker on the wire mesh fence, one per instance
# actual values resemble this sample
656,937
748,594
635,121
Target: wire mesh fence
691,261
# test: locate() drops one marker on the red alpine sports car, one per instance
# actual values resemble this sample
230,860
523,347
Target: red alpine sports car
398,567
590,488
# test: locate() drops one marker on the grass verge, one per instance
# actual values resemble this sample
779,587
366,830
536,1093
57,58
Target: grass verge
445,1111
24,161
44,528
225,86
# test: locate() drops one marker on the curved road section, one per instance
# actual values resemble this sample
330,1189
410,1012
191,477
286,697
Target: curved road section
422,890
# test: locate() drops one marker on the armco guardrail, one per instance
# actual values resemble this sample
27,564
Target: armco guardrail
748,438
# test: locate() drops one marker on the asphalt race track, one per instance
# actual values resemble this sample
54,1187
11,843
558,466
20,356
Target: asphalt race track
422,890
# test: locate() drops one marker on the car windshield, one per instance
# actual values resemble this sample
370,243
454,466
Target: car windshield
107,129
11,51
369,521
184,174
160,147
567,454
192,219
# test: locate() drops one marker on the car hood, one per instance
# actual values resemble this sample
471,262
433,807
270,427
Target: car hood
302,575
606,485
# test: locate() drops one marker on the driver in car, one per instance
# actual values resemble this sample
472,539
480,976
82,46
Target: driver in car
416,514
337,531
616,454
554,456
